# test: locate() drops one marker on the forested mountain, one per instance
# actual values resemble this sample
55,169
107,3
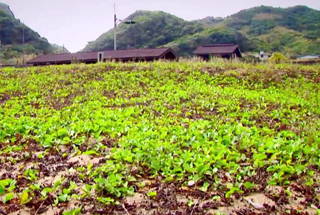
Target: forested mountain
293,31
152,29
11,35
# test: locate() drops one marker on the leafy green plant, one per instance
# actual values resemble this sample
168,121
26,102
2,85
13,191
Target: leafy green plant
232,189
8,197
24,198
75,211
249,185
31,174
277,58
113,185
152,194
106,201
7,185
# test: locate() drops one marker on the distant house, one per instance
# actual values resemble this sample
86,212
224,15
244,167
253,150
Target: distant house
228,51
94,57
263,56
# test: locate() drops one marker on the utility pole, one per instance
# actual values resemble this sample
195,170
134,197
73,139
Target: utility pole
22,43
0,49
116,21
115,28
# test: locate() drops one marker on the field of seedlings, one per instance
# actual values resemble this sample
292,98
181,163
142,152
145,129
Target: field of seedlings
183,137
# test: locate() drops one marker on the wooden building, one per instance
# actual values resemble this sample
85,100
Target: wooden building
102,56
228,51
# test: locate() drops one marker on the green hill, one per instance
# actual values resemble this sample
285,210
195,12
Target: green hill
11,34
152,29
5,8
294,31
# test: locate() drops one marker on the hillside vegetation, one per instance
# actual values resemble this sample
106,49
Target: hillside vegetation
152,29
11,34
6,9
163,137
293,31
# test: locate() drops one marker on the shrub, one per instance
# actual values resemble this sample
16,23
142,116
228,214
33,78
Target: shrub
277,57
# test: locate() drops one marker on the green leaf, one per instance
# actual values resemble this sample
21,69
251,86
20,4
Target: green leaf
62,132
89,167
76,211
91,152
8,197
310,182
88,187
45,191
75,196
155,165
24,198
5,182
190,203
106,201
63,198
152,194
205,186
230,186
1,190
229,194
57,183
66,191
248,185
73,185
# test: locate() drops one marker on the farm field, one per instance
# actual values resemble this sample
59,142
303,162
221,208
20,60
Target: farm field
160,138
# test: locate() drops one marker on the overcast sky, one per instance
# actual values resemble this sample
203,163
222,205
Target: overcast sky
76,22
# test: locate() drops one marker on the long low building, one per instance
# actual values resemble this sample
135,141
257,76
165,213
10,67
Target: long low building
94,57
228,51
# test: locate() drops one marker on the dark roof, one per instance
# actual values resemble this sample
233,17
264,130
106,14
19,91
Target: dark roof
92,56
216,49
136,53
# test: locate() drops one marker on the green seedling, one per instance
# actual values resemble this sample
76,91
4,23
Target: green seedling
75,211
8,197
25,198
31,174
232,190
7,185
106,201
152,194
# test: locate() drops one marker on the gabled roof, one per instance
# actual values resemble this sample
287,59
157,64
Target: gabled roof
216,49
93,56
65,57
